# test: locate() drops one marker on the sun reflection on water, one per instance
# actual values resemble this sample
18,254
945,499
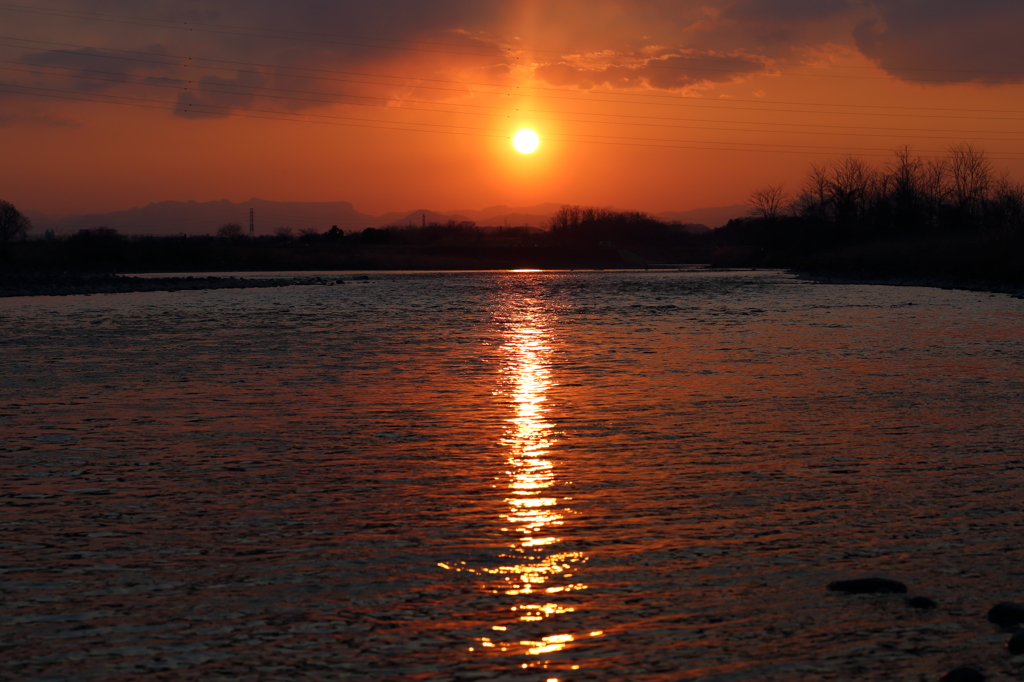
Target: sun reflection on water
536,572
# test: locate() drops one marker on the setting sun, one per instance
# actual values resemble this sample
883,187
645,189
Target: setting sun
526,141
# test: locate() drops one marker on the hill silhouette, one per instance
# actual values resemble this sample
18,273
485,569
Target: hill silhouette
197,218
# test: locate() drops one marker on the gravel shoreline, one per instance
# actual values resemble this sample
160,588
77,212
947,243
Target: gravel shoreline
71,284
78,284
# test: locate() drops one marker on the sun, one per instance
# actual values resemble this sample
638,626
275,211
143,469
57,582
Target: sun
526,141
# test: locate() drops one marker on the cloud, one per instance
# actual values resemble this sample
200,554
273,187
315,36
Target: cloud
91,70
670,45
325,26
216,97
226,44
8,120
665,72
787,11
945,41
775,29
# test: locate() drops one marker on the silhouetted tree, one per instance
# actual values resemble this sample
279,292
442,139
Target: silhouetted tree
901,202
96,235
768,201
1007,205
908,194
12,223
970,179
283,233
373,235
97,245
565,217
813,202
592,226
849,181
230,231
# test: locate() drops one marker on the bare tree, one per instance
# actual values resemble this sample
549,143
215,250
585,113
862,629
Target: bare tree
12,223
906,172
1008,200
906,193
970,177
283,233
935,189
768,201
814,197
566,216
230,231
848,184
902,189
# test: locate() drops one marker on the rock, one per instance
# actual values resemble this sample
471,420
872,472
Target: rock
1016,644
921,603
868,586
963,675
1006,614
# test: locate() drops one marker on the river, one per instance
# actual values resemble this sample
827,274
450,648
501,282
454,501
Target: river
510,476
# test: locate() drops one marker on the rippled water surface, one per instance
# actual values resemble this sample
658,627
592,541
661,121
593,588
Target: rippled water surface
505,476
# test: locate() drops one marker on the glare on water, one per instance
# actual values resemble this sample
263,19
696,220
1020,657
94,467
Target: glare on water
535,567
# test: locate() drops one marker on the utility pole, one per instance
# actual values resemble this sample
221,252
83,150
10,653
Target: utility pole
252,225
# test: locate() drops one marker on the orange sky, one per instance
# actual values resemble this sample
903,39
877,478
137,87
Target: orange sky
651,105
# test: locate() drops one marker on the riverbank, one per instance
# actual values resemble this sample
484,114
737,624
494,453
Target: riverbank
990,261
938,282
71,284
79,284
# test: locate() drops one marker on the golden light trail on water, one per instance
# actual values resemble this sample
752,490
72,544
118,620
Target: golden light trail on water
534,513
535,571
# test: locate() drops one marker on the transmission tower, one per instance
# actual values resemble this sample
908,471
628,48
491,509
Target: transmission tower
252,224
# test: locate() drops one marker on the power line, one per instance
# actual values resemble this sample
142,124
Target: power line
182,86
588,95
237,31
77,14
226,111
475,132
398,44
676,104
263,91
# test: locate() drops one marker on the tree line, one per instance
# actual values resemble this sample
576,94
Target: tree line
950,220
914,216
907,194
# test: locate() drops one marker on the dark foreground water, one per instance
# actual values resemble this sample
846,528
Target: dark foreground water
509,476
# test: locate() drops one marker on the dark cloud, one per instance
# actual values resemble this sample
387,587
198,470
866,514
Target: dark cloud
345,27
946,41
92,70
669,72
216,97
225,42
787,11
668,45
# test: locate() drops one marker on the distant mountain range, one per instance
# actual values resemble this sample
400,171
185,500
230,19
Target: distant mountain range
194,218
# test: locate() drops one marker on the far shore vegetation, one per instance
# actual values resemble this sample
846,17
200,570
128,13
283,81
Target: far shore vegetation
949,220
